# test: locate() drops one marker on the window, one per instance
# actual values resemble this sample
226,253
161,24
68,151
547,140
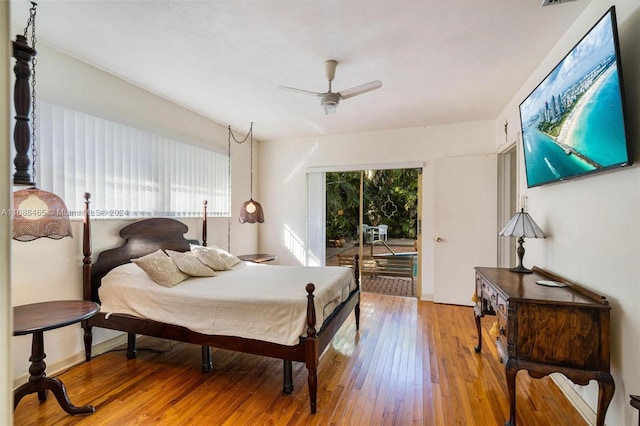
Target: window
129,172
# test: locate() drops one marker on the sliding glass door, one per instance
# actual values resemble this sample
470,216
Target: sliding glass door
362,211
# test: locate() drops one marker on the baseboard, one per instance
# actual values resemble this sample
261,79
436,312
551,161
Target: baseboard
64,364
567,388
426,297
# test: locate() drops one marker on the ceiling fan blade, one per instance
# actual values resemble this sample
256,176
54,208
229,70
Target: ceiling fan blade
358,90
293,89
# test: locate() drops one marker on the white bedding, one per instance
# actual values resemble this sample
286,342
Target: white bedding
262,302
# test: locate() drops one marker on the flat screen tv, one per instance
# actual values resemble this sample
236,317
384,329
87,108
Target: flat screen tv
573,122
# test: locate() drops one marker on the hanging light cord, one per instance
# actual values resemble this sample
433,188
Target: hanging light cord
32,23
249,135
231,135
251,165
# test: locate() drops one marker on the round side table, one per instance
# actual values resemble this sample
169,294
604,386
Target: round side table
35,319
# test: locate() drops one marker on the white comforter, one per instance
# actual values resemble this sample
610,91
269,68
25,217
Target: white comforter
262,302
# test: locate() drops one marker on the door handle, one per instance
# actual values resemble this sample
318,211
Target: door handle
439,239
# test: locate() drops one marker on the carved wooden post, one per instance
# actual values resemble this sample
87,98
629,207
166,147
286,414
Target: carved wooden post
356,271
312,355
207,364
86,273
23,54
86,250
204,223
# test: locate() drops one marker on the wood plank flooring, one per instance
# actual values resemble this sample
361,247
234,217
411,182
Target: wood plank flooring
411,363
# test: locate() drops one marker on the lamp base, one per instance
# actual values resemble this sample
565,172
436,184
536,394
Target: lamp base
520,250
521,269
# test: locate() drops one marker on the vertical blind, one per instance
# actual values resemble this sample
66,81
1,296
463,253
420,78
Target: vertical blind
129,172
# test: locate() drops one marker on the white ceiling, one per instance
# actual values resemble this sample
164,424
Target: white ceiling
440,61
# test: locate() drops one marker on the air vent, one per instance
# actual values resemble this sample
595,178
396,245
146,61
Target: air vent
553,2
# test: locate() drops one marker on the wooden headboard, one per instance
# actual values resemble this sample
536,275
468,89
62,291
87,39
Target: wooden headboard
141,238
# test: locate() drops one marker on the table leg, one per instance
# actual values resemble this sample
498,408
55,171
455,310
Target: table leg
39,382
606,387
511,371
479,328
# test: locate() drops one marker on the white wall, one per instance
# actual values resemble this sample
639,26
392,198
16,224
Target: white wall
594,222
48,270
283,166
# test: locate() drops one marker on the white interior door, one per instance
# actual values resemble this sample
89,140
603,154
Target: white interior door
316,219
465,224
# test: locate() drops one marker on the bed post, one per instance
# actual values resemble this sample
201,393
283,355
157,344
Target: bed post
311,347
356,274
207,364
287,369
86,273
204,222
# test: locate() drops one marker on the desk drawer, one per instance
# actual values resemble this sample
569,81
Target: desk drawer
496,299
501,340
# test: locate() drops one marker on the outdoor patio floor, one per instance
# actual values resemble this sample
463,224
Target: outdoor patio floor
381,285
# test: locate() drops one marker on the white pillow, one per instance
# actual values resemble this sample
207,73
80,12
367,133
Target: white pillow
210,257
160,268
229,259
190,264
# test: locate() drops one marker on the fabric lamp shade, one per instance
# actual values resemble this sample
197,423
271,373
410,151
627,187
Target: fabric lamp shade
39,214
251,212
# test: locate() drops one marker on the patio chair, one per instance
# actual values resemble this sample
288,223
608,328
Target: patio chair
381,233
365,233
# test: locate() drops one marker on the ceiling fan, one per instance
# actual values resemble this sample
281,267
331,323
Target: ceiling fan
330,100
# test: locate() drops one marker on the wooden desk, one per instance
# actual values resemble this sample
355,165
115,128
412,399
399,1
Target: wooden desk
546,330
258,257
35,319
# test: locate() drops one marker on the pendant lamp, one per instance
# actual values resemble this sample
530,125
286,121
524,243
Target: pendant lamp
251,210
36,213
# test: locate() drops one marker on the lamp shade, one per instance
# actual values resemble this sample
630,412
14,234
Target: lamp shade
39,214
522,225
251,212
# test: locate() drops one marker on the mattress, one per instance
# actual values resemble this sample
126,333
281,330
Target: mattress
253,301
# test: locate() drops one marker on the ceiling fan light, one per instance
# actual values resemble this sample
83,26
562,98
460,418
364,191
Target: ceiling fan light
329,102
329,108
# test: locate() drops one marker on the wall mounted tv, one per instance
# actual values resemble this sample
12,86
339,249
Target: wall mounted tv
573,122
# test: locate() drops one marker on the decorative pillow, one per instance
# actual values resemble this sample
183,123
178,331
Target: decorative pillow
160,268
189,264
229,259
210,257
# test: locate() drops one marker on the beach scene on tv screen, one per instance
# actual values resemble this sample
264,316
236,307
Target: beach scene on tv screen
573,123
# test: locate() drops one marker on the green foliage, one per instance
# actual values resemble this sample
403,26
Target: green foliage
390,197
343,197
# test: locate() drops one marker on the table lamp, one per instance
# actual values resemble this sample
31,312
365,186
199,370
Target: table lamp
522,226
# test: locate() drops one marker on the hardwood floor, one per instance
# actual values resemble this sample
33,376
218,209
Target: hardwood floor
412,363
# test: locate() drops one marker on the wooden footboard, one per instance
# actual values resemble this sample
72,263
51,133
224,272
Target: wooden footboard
149,235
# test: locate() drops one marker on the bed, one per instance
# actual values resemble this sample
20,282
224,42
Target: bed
304,328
